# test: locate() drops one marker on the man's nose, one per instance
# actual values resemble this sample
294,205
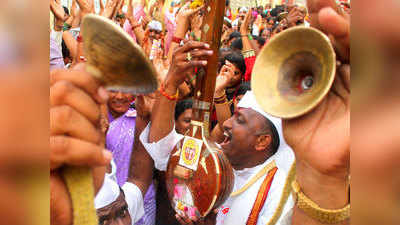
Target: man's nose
119,221
227,125
119,95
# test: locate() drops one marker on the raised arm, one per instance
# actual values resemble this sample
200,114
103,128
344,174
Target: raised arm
141,166
182,27
323,165
221,102
110,8
101,7
75,14
71,43
136,27
162,120
86,7
59,14
244,31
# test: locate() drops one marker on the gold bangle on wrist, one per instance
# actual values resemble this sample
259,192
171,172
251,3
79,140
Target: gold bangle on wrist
249,53
220,101
221,96
325,216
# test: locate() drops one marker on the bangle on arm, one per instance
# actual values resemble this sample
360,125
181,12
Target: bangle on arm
311,209
194,36
134,27
248,36
220,99
66,27
221,102
169,97
177,40
249,53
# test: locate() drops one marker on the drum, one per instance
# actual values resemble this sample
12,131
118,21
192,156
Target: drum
199,177
197,190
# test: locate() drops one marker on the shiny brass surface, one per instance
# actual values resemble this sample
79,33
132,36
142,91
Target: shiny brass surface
119,61
294,72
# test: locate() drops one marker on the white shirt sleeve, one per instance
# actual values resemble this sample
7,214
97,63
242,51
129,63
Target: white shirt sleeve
57,36
160,150
134,199
256,30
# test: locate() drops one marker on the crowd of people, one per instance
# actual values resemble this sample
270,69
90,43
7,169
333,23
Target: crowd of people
128,138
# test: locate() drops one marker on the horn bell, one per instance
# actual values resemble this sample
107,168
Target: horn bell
294,72
115,59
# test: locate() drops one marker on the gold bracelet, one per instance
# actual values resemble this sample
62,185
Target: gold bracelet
221,101
325,216
249,53
218,97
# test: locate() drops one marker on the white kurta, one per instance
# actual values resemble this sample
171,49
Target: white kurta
236,209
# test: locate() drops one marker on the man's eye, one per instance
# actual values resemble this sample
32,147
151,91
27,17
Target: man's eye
123,212
102,221
239,119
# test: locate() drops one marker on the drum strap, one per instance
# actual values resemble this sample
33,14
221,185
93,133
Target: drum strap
261,197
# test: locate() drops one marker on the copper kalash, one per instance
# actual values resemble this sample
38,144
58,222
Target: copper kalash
199,177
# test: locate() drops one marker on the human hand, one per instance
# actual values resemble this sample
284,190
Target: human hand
196,21
161,65
294,16
321,138
144,105
86,6
118,10
101,7
75,135
210,219
74,9
185,13
224,78
146,20
110,8
129,15
328,17
181,63
244,28
226,34
58,10
283,24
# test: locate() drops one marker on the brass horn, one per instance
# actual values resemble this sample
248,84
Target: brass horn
115,59
294,72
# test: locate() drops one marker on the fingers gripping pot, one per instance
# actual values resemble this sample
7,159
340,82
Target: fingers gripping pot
199,177
119,64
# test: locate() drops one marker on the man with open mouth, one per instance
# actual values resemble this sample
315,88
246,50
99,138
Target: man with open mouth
261,159
254,145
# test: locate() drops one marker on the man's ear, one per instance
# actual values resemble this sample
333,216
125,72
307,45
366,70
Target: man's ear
263,142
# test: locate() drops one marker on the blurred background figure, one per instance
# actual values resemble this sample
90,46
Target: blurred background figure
375,107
